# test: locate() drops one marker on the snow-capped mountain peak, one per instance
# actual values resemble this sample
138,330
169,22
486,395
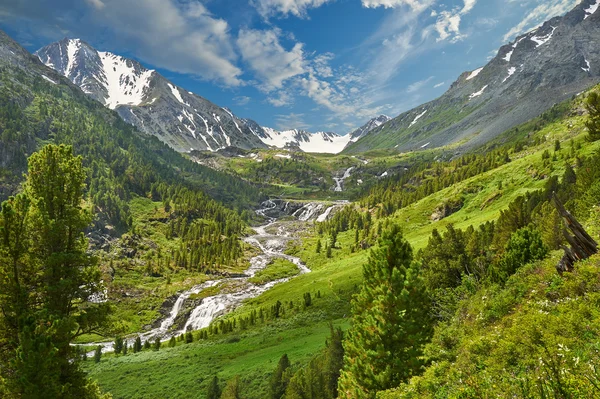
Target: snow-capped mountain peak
144,98
109,78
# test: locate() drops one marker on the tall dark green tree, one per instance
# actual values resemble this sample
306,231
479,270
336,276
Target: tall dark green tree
280,379
46,278
390,321
214,391
233,389
592,104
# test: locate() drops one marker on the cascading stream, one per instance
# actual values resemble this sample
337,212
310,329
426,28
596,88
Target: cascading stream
271,246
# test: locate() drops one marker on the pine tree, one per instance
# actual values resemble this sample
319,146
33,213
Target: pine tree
118,347
233,389
156,345
279,379
592,105
46,274
214,391
318,250
98,354
390,322
137,345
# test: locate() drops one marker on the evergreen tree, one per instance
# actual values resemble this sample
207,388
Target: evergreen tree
214,391
592,105
318,250
147,344
390,321
172,342
98,354
233,389
156,345
137,345
279,379
525,245
46,275
118,347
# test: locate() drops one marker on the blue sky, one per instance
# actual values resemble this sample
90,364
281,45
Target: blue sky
321,65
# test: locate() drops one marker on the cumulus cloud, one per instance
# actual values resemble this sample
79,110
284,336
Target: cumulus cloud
242,100
190,39
299,8
539,14
271,62
448,22
414,4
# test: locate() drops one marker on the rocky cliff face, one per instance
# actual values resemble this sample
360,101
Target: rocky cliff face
539,69
147,100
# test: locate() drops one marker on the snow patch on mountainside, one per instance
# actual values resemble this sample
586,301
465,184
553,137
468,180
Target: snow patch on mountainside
177,94
511,72
72,48
587,69
477,94
474,73
123,85
541,40
417,118
593,8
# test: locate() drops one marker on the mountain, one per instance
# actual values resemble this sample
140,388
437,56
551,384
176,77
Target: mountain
545,66
320,142
147,100
369,126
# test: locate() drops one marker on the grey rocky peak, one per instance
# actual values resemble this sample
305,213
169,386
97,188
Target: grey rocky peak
144,98
545,66
370,125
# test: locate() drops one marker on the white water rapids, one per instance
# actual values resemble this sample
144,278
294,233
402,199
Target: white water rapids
271,246
339,181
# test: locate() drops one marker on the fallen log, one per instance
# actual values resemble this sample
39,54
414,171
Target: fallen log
582,244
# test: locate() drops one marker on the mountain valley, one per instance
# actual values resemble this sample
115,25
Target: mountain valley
156,245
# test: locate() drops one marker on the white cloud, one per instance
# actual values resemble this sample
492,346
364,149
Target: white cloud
270,61
282,99
268,8
181,37
291,121
448,22
416,5
439,85
242,100
415,87
543,12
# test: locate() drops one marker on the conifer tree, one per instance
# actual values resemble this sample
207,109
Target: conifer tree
118,345
98,354
390,321
592,105
233,389
279,379
214,391
137,345
46,276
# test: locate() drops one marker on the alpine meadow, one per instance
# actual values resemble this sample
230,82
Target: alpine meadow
295,242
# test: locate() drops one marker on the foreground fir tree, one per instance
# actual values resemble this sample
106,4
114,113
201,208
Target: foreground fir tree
46,277
390,321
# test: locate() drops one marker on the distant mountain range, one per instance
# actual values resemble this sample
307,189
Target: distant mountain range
183,120
146,99
528,76
551,63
